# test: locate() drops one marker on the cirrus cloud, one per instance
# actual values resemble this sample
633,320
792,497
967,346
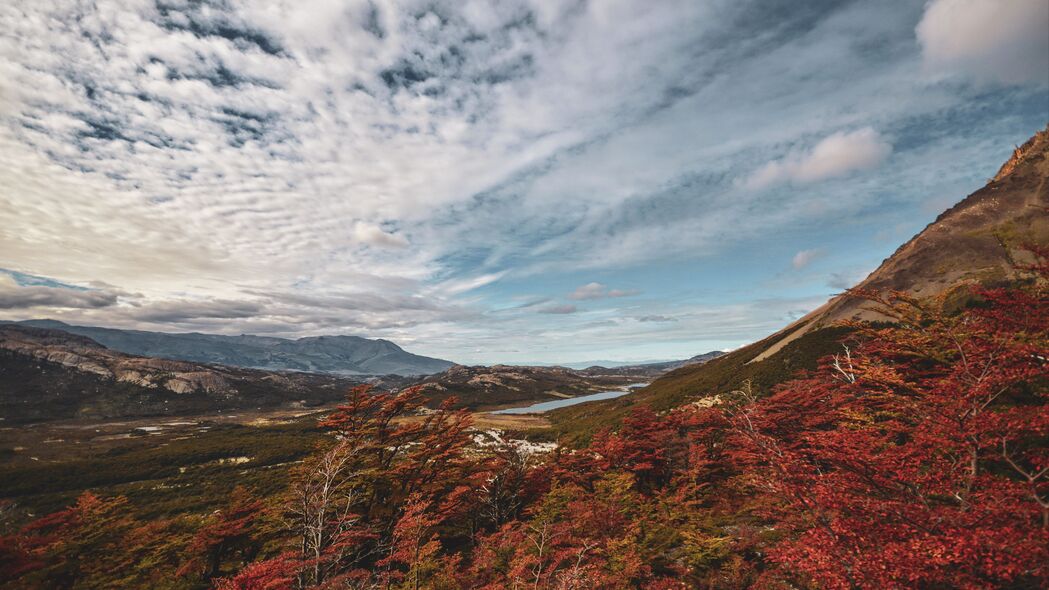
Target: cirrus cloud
404,169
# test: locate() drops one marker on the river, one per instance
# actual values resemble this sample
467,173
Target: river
541,407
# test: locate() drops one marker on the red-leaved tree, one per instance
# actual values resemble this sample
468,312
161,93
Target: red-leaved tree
917,459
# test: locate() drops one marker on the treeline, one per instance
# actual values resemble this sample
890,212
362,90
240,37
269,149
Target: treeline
916,457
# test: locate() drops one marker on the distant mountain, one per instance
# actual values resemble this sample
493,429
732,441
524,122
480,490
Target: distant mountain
50,374
503,385
980,240
341,355
650,364
653,368
603,363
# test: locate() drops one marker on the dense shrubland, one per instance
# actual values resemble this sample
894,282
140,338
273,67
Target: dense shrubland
916,457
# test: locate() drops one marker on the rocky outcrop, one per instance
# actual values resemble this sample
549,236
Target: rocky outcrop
49,374
83,355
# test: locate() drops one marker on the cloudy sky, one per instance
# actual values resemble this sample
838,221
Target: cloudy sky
515,181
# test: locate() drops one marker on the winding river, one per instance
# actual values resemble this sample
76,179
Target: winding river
541,407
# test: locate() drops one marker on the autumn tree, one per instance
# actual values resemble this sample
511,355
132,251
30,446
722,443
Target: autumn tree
226,533
916,458
94,543
349,502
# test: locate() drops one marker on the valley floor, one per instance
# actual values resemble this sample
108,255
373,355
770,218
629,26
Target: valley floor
175,463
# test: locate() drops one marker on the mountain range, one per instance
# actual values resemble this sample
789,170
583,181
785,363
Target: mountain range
340,355
48,374
660,364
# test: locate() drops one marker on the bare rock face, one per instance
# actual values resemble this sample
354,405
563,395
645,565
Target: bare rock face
86,356
135,377
206,381
978,240
74,355
179,377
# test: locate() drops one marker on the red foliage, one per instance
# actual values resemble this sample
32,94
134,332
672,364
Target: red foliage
918,459
273,574
227,531
651,447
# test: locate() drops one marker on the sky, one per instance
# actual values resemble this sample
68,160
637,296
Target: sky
520,181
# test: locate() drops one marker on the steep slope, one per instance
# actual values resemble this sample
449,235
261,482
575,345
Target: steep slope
347,355
979,240
49,374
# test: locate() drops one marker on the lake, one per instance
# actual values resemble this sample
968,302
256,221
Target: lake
541,407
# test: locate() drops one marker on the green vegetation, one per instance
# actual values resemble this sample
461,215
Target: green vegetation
180,476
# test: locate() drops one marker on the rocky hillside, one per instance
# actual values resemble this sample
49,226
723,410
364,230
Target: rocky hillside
979,240
504,385
49,374
344,355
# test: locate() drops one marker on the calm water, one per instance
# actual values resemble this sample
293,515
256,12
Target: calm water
568,401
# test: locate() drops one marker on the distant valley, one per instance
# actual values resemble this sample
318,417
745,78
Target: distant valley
53,371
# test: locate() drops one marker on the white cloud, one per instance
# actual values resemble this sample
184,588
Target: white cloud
599,291
989,40
805,258
588,291
455,287
836,155
375,236
401,169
